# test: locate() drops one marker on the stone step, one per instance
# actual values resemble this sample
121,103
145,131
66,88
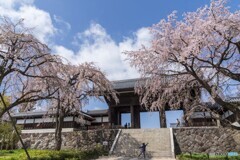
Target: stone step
135,154
159,142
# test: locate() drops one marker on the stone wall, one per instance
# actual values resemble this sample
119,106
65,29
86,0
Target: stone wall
70,140
206,140
199,140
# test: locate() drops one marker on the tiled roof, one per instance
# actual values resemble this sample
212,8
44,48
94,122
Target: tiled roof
130,83
209,105
124,84
233,99
97,112
217,106
33,114
201,115
214,106
42,113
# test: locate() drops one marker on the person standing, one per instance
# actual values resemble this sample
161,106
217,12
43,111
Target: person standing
128,125
143,150
178,122
186,121
125,126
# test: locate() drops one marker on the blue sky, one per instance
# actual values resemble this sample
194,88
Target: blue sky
119,18
98,30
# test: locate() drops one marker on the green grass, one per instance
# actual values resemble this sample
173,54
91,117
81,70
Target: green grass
51,155
198,156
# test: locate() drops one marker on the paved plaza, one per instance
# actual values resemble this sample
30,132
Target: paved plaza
130,158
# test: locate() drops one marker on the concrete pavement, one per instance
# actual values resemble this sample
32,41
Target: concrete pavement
129,158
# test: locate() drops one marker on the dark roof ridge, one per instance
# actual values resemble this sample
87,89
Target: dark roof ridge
127,80
39,113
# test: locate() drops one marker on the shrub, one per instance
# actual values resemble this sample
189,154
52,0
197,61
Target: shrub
198,156
53,155
8,137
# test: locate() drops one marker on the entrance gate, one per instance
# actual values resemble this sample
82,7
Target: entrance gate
129,103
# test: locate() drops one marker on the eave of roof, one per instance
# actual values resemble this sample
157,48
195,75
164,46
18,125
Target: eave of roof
214,106
32,114
97,112
125,84
43,113
201,115
233,99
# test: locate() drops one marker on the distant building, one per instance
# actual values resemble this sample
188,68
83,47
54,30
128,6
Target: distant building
206,115
101,119
46,120
230,116
211,115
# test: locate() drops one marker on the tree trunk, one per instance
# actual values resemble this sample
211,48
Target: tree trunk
20,138
15,128
237,115
59,122
58,133
162,117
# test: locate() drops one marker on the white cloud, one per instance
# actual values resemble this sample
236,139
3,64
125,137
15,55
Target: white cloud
37,19
60,20
62,25
65,53
14,3
95,45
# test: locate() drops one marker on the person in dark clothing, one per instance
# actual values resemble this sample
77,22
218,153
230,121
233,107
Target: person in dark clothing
143,149
178,123
186,122
125,126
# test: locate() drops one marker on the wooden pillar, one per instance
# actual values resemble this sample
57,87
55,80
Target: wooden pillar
119,120
132,116
162,118
111,116
137,117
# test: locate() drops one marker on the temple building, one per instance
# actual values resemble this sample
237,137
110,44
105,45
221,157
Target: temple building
46,120
100,117
112,117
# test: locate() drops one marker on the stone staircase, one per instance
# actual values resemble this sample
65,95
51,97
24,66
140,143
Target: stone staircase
159,143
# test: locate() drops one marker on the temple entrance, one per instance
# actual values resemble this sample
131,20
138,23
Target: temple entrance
152,119
172,117
149,120
125,119
129,104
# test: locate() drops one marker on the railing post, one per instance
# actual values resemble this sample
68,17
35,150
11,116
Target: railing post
115,141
